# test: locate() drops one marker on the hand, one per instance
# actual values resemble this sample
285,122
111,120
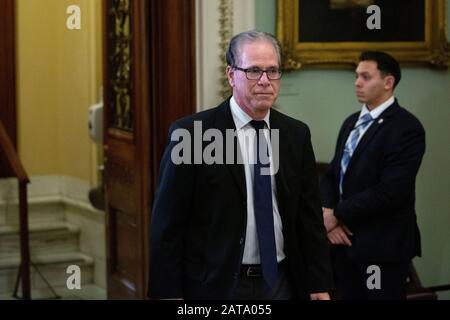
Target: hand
320,296
329,220
339,235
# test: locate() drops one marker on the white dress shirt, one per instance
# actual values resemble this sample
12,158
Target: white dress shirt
247,145
375,113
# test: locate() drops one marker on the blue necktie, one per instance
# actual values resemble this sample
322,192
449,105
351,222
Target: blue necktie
351,144
262,199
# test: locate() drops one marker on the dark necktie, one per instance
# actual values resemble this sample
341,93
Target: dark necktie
262,202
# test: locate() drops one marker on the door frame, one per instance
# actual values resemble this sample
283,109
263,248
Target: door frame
163,87
8,112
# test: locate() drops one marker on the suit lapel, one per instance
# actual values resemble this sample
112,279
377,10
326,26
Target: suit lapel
225,121
378,123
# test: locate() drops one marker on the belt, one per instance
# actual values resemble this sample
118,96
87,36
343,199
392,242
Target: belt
255,270
251,270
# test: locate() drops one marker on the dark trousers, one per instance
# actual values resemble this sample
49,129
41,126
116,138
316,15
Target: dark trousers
355,280
251,285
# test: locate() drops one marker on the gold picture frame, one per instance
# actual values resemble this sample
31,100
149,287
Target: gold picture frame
430,45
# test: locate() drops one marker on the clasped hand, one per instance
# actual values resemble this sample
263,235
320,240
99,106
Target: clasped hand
337,232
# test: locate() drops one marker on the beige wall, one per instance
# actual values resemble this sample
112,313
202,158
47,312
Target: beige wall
59,77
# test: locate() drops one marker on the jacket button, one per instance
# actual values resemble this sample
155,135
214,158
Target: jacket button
241,241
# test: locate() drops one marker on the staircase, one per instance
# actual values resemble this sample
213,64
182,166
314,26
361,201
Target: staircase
56,236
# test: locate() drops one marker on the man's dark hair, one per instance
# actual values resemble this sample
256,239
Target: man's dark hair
385,63
233,54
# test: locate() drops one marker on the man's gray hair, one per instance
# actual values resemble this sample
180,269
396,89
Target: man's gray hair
233,52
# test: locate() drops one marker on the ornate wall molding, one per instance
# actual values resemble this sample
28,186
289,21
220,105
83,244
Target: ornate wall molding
217,22
225,34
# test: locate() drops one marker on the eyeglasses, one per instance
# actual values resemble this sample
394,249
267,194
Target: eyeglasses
256,73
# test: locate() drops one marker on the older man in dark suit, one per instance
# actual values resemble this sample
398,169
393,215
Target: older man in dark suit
227,229
369,190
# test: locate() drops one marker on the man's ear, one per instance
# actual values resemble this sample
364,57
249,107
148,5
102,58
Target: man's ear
389,82
230,75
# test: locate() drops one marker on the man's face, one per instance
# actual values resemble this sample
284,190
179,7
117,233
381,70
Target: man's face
370,86
255,97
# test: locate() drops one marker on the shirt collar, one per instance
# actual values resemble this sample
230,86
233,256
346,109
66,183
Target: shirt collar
241,119
375,113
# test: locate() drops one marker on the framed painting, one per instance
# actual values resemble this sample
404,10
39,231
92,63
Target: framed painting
334,32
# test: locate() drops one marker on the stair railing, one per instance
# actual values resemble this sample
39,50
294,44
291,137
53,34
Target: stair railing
7,151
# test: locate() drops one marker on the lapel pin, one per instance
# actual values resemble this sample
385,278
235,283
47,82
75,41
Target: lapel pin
380,121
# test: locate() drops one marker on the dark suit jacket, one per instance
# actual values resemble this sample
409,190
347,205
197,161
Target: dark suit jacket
379,186
200,211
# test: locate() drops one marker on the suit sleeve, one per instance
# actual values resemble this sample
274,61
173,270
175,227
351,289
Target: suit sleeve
329,186
170,214
400,164
313,238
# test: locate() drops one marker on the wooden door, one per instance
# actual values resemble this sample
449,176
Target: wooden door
7,75
149,80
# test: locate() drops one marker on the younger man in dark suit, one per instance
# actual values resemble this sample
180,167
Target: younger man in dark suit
368,192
